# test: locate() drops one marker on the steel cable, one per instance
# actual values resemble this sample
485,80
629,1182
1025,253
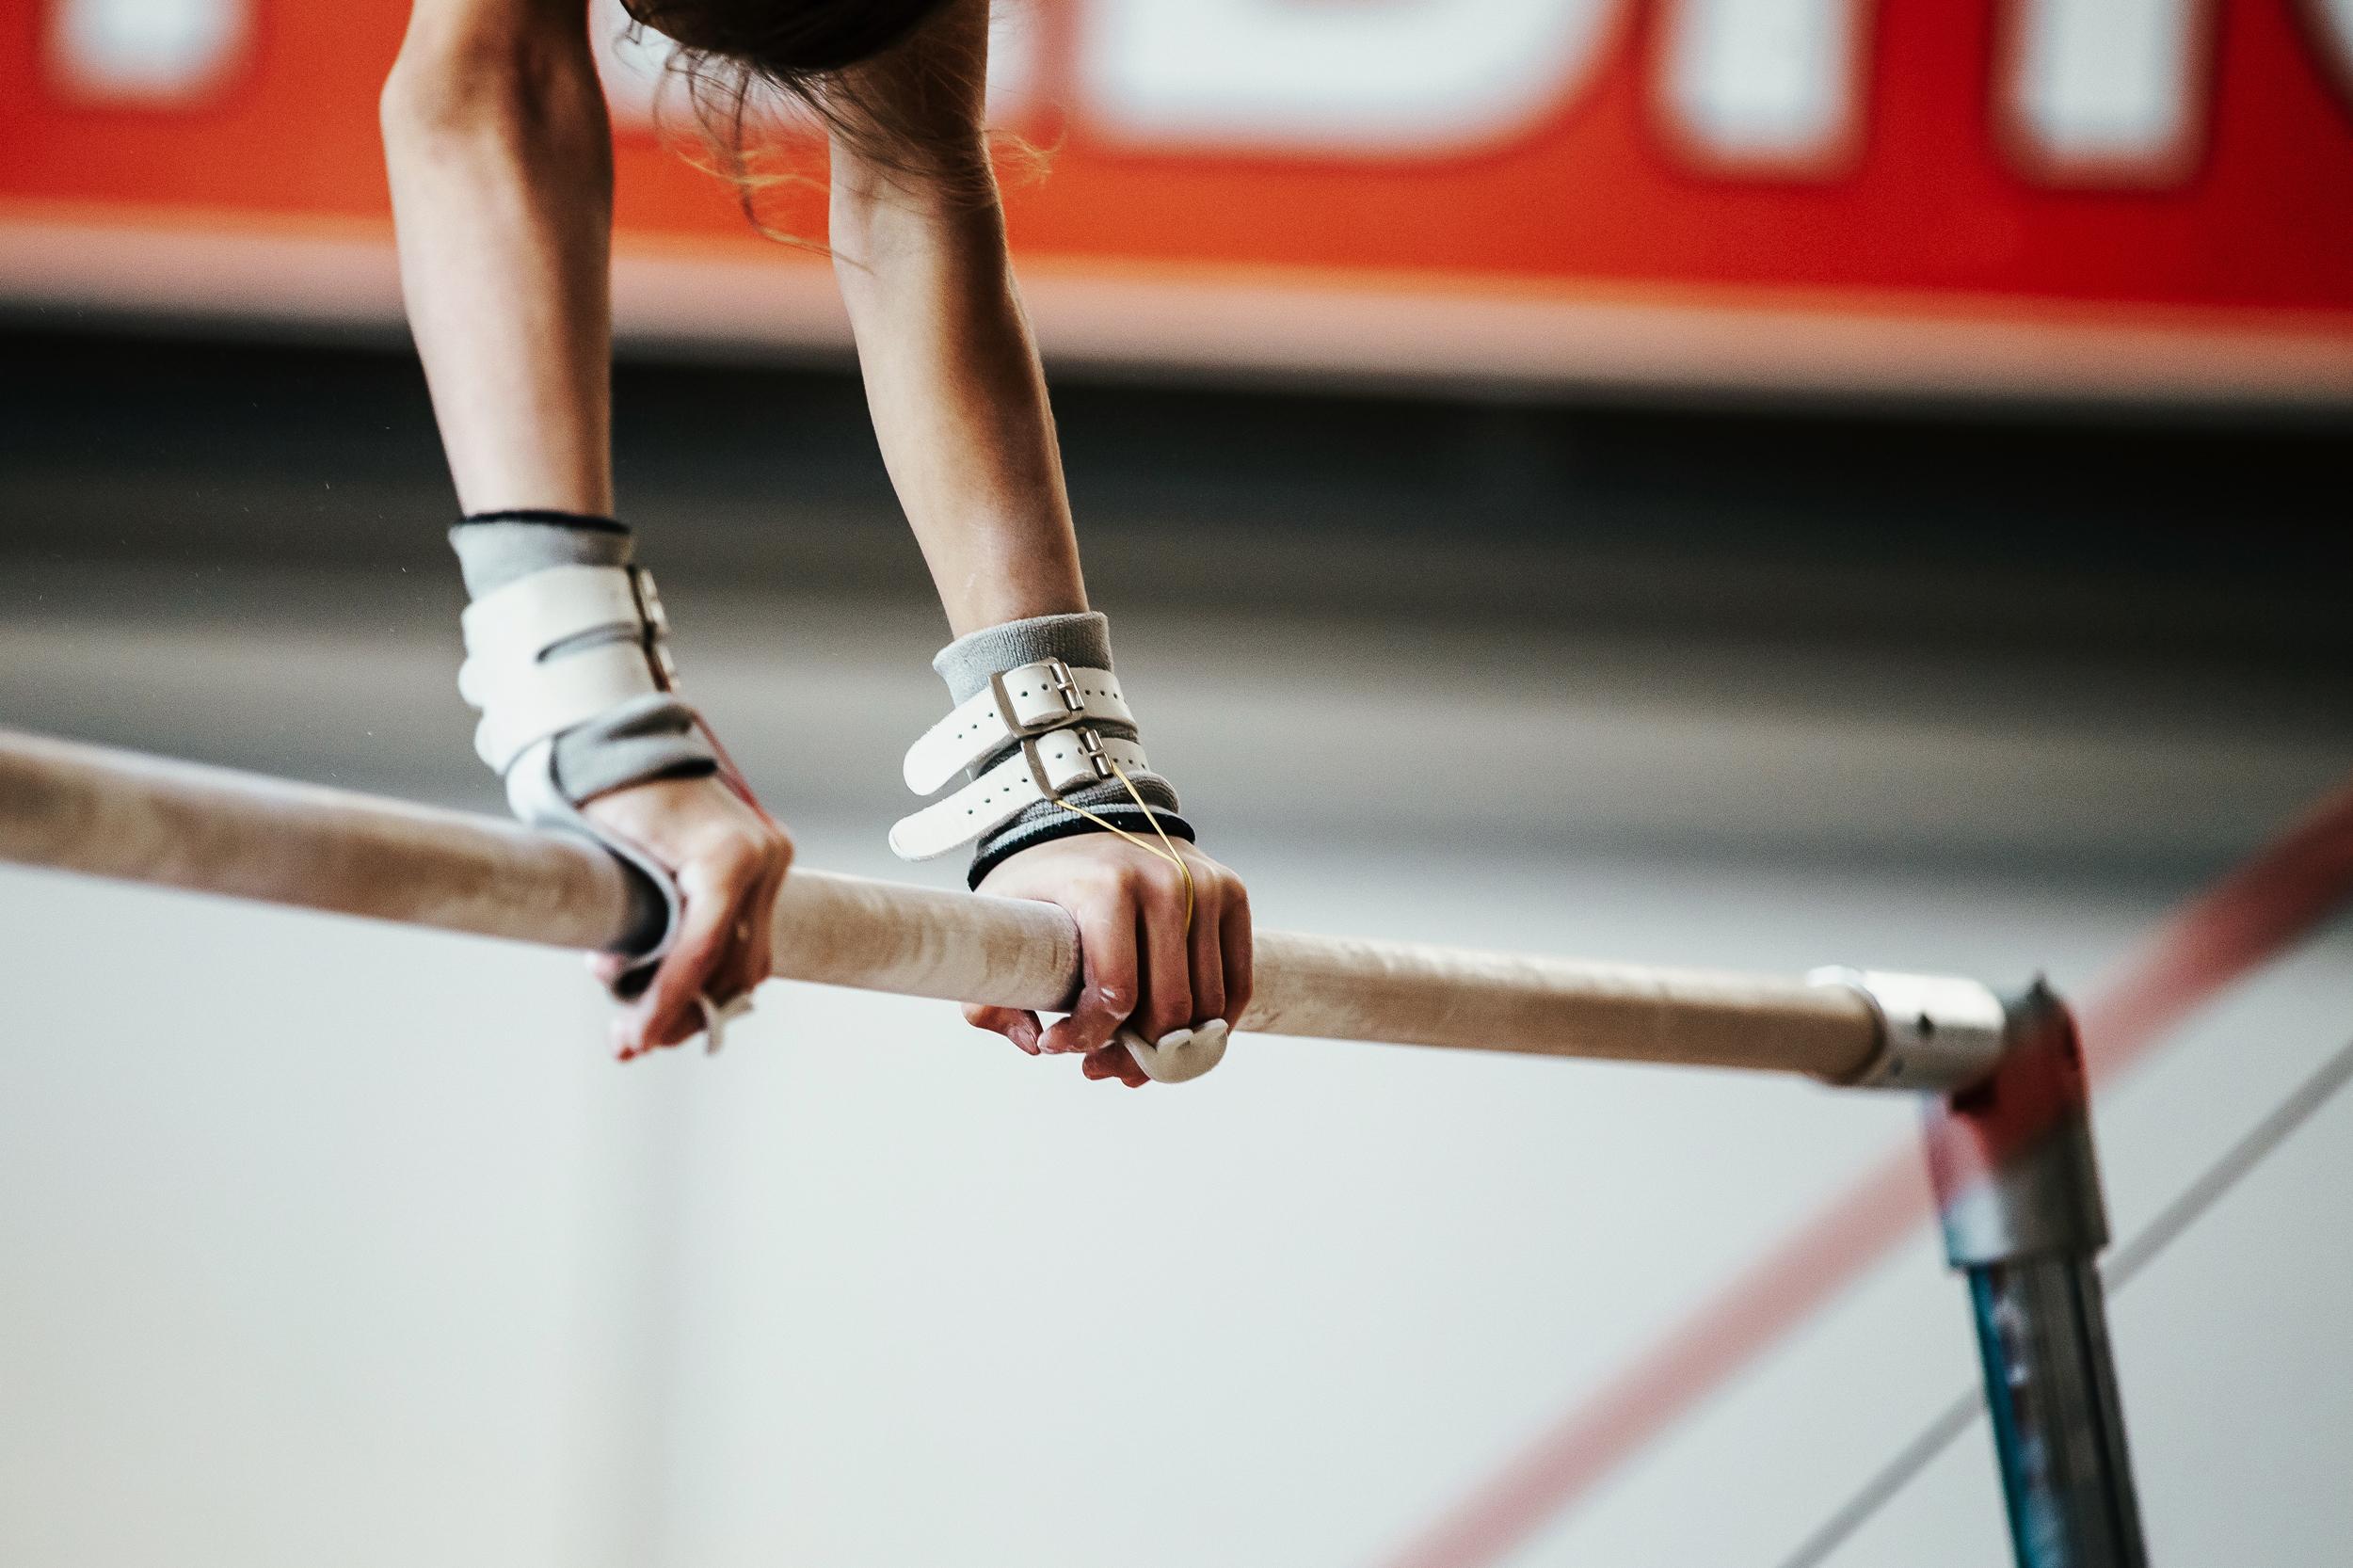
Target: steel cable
2237,1162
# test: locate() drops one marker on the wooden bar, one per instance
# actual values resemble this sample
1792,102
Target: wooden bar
102,812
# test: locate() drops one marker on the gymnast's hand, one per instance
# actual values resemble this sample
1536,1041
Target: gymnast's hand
1140,968
730,861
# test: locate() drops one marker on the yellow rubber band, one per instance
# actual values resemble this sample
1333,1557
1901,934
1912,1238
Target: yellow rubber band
1166,850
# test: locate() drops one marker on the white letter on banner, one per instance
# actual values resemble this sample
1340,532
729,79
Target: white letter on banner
146,51
2332,22
1408,77
1012,59
1766,81
2107,83
631,60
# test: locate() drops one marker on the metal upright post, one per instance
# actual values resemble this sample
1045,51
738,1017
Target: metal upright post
2018,1184
2009,1153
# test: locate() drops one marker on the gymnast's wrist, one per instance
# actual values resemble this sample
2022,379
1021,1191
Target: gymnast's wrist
568,660
643,731
1043,736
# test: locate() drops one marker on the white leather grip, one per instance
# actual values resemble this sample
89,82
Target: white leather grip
536,798
1030,700
524,704
1047,767
528,686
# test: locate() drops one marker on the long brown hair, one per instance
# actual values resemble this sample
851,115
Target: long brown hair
739,60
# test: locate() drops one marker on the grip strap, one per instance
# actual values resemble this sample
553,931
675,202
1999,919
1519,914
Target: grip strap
1042,768
568,659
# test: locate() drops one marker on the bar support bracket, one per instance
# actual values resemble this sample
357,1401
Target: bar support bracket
2018,1188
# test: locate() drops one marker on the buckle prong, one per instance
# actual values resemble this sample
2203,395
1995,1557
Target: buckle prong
654,629
1091,752
1066,685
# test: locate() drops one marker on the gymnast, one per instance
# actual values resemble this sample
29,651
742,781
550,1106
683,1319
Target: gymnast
500,157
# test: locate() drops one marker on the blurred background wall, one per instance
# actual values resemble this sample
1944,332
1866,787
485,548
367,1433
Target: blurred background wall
1856,484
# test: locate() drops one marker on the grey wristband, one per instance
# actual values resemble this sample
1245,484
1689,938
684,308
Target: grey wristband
570,669
1083,641
648,738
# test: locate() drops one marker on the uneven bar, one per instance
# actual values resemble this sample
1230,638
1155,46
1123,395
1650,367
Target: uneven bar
102,812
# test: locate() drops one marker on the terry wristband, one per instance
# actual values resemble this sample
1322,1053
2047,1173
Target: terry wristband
1040,724
568,660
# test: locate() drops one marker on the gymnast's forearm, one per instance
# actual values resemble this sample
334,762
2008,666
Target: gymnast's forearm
953,382
501,163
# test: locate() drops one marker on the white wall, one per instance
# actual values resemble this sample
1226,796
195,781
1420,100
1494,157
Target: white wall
321,1241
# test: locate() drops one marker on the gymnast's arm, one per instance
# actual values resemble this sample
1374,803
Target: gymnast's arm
959,405
501,163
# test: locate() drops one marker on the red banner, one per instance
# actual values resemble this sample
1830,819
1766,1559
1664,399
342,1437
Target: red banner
2096,197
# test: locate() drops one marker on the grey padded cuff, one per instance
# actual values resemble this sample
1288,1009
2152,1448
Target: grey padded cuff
495,550
654,737
1082,639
